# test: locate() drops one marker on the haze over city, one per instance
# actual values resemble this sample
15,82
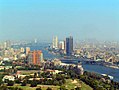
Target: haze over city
82,19
59,44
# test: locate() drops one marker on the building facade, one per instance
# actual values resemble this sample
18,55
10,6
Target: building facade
62,45
55,43
35,57
69,45
27,50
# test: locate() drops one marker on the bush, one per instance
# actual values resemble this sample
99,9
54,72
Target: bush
49,88
10,83
13,88
78,88
63,88
38,88
23,83
3,87
33,83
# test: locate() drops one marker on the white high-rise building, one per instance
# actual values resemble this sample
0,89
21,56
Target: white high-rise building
7,44
41,58
27,50
62,45
22,50
55,42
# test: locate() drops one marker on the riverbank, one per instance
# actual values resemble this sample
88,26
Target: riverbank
93,68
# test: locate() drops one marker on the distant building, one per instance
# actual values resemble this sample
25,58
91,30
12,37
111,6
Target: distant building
56,62
8,77
79,69
15,57
35,57
69,45
55,43
7,44
6,59
27,50
2,67
35,40
62,45
22,50
41,57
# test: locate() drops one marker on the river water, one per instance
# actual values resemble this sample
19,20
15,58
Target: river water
93,68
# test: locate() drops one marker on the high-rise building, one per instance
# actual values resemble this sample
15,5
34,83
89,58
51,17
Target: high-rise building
41,57
55,42
62,45
27,50
7,44
22,50
35,57
69,45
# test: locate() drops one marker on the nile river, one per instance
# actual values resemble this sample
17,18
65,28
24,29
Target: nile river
93,68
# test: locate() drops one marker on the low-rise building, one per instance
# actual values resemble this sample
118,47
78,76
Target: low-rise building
2,67
8,77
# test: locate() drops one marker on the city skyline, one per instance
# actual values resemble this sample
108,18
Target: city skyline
91,19
59,44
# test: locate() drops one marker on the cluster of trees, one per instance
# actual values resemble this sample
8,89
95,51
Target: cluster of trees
98,82
9,88
94,80
55,80
17,88
65,69
30,67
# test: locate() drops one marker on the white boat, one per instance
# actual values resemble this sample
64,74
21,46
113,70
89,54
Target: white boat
111,77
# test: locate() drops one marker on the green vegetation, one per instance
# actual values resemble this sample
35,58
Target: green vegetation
85,86
71,84
43,87
10,83
98,82
10,88
68,79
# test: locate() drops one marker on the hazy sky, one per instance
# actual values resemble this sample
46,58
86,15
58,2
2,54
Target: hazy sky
43,19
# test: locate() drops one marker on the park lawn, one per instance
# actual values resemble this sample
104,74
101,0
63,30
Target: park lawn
85,86
71,84
27,72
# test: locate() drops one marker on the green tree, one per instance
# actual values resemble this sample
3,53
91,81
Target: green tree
24,83
3,87
14,88
33,83
35,75
100,88
10,83
49,88
39,88
63,88
78,88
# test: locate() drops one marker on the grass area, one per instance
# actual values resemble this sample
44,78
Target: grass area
27,72
85,86
70,84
